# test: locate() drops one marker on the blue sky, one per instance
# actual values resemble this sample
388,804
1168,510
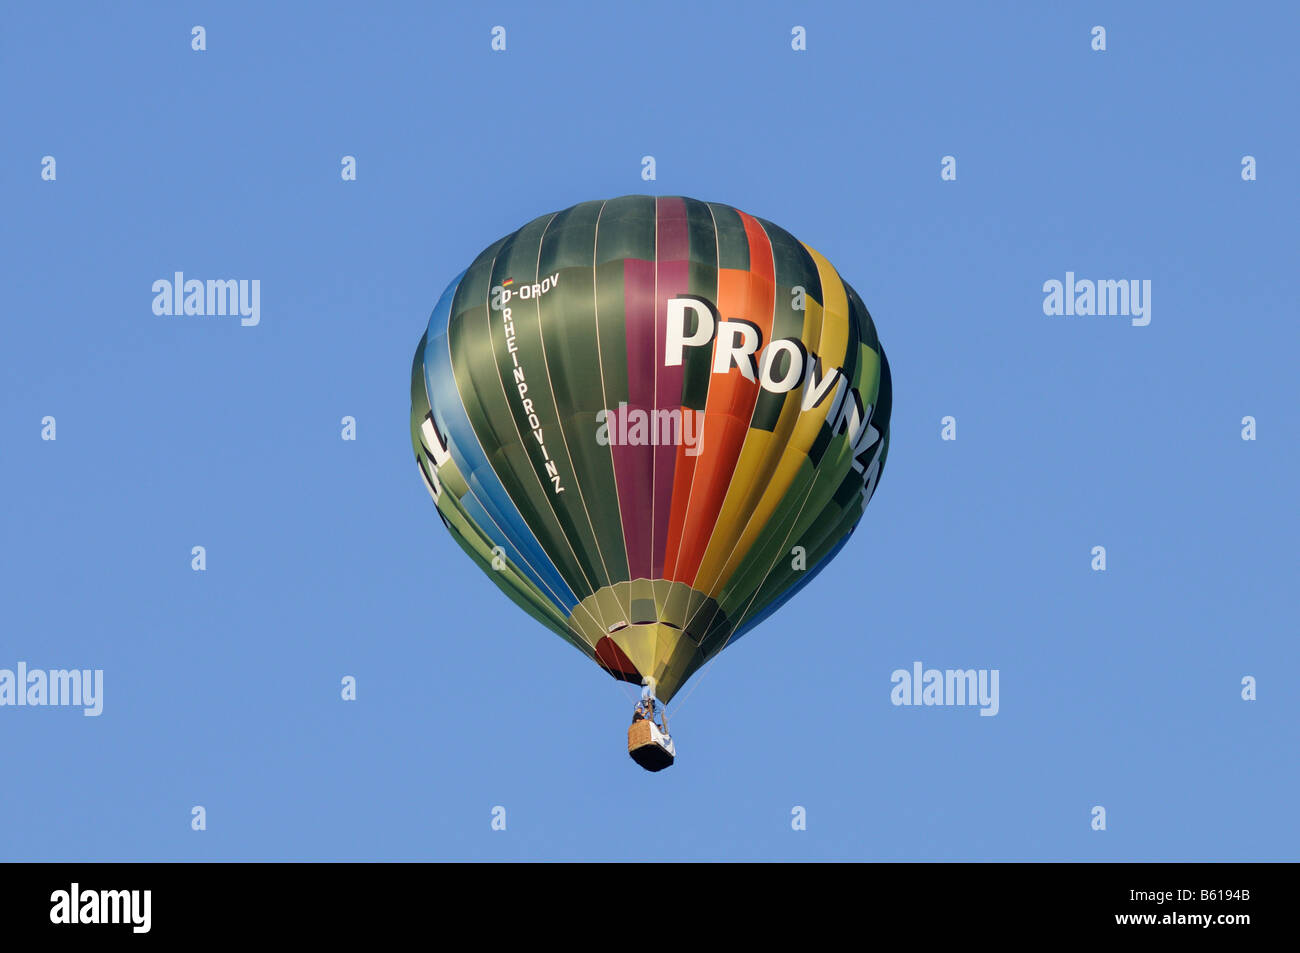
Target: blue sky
325,558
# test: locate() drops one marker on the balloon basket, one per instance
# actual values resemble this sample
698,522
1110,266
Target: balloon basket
650,747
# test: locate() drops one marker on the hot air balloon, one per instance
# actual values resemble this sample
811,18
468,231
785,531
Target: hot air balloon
651,421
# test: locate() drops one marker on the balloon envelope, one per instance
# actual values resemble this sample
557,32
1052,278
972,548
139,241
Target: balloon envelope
650,421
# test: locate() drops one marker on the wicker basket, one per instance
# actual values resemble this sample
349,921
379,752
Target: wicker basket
639,734
647,746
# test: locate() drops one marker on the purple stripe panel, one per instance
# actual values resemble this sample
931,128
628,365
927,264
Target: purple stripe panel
672,276
634,466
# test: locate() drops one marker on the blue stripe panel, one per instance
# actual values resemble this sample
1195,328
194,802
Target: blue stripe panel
490,506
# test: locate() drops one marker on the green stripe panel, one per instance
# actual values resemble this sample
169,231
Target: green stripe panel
522,369
573,356
475,362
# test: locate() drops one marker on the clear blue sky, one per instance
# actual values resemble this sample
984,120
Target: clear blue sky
325,558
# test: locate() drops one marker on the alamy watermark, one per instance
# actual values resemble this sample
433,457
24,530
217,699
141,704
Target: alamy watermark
76,905
954,687
214,297
1083,297
53,688
634,427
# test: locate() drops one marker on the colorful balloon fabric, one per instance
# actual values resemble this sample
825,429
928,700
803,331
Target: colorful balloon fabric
651,421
